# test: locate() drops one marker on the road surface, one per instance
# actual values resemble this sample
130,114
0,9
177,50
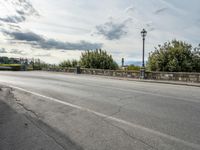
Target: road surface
98,113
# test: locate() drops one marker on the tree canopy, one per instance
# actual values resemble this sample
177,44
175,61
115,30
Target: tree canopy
97,59
133,67
6,60
175,56
68,63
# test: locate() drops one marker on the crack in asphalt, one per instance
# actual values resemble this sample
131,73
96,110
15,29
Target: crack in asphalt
104,116
10,93
121,106
132,137
54,139
29,110
104,119
118,111
33,122
123,130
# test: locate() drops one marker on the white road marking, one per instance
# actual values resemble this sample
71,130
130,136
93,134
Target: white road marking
193,145
136,91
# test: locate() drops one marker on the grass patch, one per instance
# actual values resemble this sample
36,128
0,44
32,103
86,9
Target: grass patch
10,65
14,67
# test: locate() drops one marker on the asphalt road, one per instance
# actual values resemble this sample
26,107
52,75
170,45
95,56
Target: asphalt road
103,114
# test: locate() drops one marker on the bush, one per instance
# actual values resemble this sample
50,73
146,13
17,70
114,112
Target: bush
97,59
133,67
68,64
14,67
175,56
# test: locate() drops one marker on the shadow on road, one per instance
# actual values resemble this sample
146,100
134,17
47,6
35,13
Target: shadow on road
20,131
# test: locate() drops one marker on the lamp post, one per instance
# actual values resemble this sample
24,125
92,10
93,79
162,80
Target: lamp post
142,70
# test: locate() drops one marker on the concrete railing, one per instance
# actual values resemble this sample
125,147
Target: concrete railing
170,76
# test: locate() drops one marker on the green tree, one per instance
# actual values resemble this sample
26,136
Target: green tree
196,58
66,63
97,59
174,56
74,63
6,60
133,67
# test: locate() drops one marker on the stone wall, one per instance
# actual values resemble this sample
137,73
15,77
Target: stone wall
171,76
174,76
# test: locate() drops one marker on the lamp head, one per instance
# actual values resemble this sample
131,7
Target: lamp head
143,33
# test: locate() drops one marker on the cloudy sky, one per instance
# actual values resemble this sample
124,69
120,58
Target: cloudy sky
57,30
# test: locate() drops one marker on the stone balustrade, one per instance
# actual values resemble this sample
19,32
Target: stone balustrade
171,76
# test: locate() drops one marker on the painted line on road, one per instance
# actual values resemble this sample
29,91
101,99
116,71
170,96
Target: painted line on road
193,145
175,97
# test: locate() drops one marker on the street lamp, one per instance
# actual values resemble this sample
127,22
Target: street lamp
142,70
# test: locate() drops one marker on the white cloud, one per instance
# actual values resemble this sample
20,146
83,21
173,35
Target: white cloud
73,21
